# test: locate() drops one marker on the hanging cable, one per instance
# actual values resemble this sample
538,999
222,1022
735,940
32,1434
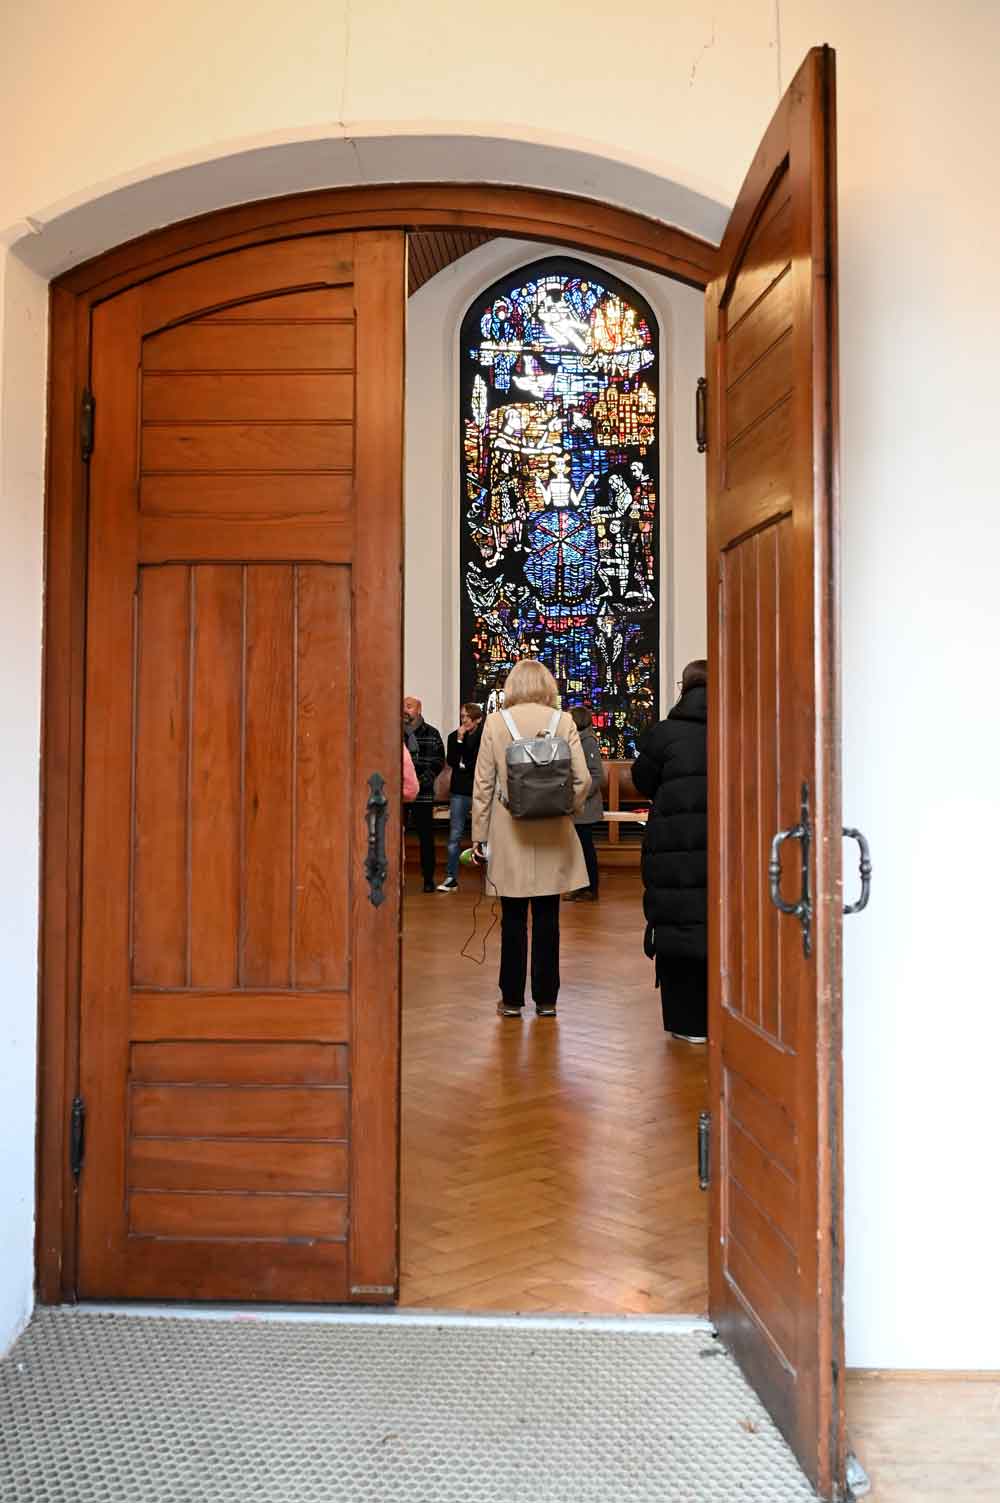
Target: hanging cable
494,918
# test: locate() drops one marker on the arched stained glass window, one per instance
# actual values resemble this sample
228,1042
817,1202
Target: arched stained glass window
560,478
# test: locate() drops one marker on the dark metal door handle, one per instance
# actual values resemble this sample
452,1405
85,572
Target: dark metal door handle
864,867
376,865
802,910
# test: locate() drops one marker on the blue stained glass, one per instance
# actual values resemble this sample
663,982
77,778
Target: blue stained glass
560,467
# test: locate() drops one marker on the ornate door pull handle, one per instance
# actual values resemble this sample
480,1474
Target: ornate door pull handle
864,867
376,865
802,910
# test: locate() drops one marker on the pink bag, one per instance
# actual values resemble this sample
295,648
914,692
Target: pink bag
411,783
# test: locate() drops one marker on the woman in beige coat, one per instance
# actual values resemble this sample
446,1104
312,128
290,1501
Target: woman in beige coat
530,861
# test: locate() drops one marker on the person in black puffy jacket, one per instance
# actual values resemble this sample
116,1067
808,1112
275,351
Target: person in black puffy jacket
672,771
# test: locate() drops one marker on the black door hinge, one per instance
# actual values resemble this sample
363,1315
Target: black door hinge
704,1150
77,1120
87,405
701,414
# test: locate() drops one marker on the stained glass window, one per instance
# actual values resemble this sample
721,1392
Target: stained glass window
559,476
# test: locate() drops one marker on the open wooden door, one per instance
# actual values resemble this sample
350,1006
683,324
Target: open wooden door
240,989
775,1243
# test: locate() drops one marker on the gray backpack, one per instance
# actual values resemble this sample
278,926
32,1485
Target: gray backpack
539,772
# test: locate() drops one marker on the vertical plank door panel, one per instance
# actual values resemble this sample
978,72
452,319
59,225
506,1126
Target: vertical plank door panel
768,765
268,795
775,1247
322,818
160,777
748,786
217,728
240,1018
731,667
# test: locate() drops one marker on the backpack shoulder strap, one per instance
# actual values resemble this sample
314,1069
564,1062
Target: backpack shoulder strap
553,724
508,721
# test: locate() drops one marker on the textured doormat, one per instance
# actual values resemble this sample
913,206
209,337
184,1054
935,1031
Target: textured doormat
103,1408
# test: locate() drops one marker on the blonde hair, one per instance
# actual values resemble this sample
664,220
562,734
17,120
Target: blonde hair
530,683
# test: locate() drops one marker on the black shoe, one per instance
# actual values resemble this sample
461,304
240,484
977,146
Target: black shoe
429,887
545,1010
507,1010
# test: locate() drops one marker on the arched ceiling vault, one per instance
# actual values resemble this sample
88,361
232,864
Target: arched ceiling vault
430,251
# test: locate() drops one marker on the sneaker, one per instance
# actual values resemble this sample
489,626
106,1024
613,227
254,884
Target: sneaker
450,884
505,1010
689,1038
545,1010
429,887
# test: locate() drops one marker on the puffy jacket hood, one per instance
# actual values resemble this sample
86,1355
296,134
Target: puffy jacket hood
691,706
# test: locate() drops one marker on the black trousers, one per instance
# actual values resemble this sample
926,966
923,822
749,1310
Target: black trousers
586,834
683,987
421,817
544,950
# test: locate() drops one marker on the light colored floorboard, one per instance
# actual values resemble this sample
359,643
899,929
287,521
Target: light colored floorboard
927,1437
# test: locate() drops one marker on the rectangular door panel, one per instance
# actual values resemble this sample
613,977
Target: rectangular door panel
244,396
231,1164
265,448
219,345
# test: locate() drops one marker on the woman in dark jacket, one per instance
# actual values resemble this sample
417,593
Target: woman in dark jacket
672,770
592,812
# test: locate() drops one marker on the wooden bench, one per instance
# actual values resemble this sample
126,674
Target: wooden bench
620,841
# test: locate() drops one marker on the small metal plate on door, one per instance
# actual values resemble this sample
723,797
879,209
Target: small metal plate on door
857,1479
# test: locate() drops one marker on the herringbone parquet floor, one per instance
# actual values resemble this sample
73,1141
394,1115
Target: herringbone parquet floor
548,1165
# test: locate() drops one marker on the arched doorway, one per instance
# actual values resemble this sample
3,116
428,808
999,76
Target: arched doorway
783,227
526,213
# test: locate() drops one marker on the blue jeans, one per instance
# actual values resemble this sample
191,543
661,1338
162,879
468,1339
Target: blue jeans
461,805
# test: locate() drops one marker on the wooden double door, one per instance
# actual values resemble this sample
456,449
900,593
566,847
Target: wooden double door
239,985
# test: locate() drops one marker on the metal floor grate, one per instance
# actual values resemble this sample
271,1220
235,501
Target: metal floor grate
103,1408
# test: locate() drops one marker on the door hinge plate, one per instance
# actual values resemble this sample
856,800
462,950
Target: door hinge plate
87,407
704,1150
701,414
77,1121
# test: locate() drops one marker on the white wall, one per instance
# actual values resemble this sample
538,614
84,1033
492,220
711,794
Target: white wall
23,318
919,111
102,99
432,473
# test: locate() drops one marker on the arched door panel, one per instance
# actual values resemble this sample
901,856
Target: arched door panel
239,1057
